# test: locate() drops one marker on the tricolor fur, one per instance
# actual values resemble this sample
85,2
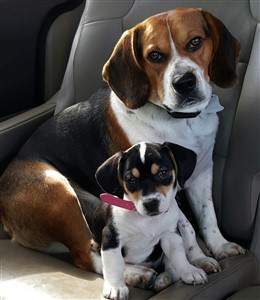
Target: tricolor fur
148,175
159,77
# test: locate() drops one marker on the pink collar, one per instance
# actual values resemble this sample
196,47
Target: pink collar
116,201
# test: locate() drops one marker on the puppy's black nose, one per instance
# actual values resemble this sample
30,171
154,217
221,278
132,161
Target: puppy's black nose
152,206
185,84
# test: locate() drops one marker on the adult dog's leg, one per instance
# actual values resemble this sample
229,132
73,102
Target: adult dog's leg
39,206
200,197
193,251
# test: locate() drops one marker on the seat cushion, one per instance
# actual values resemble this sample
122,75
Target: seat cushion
237,273
28,274
3,234
34,275
251,293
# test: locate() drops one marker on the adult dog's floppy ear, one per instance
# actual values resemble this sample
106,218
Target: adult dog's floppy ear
185,159
222,69
108,175
123,71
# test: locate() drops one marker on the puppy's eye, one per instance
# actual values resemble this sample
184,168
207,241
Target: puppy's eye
194,44
156,57
163,173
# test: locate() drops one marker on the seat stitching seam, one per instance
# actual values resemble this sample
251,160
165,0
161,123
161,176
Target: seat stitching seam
110,19
229,274
28,120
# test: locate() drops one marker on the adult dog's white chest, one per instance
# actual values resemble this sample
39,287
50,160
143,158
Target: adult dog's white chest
151,123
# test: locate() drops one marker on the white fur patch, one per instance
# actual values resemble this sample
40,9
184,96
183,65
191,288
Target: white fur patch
113,267
96,262
139,234
151,123
142,151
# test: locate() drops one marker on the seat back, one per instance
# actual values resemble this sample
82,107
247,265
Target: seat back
236,160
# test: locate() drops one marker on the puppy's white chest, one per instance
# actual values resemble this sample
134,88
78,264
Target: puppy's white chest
138,234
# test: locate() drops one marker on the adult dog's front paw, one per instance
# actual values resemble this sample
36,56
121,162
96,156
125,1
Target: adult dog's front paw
208,264
228,249
115,293
162,281
193,275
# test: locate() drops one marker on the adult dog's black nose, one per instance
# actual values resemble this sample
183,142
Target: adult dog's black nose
185,84
152,206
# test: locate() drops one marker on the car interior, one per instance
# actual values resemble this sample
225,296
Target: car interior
52,55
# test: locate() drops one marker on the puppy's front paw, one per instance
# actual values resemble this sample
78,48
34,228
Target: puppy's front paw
162,281
193,275
115,293
208,264
228,249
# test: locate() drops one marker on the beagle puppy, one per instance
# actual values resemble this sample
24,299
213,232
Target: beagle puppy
148,176
159,90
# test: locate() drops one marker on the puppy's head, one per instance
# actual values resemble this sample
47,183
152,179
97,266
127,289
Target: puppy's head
147,174
170,58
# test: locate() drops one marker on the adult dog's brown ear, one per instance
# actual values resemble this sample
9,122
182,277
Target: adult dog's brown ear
123,71
185,159
108,175
222,69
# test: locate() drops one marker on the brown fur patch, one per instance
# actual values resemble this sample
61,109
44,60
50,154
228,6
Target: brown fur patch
135,172
154,168
155,37
222,68
119,140
124,73
186,24
135,195
164,189
40,207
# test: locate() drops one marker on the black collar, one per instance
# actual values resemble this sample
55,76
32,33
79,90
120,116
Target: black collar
178,115
182,115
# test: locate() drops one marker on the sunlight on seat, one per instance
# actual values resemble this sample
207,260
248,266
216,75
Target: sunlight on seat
13,290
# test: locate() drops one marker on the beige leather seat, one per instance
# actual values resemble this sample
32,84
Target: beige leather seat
26,273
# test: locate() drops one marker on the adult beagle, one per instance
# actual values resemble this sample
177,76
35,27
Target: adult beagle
159,77
146,220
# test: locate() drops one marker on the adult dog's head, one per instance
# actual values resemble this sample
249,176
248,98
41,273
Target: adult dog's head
170,58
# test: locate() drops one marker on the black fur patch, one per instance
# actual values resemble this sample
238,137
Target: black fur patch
156,253
152,206
109,237
147,182
124,251
75,141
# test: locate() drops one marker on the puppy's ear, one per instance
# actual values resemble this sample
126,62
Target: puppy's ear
123,71
222,69
108,175
185,159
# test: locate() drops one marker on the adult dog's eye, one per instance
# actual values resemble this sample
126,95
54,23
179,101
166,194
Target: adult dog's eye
163,173
156,57
194,44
